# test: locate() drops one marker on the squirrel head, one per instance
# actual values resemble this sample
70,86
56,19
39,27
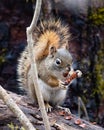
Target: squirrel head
59,62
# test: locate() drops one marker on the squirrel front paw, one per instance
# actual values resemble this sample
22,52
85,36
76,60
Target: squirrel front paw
62,85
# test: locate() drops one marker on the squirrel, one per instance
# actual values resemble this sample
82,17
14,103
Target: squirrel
53,62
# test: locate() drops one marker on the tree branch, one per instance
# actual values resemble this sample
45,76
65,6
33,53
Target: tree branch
15,109
33,64
84,108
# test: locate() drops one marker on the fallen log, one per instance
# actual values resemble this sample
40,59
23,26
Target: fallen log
59,119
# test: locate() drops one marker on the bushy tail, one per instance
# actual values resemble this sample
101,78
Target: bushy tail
23,67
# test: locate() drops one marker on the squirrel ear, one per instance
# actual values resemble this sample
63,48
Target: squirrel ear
52,50
65,46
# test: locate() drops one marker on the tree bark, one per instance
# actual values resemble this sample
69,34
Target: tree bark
59,119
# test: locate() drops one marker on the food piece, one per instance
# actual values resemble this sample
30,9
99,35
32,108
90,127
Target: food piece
75,74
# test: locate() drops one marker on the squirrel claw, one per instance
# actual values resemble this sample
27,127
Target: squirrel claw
48,107
62,84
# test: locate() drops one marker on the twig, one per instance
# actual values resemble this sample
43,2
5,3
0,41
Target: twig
79,107
33,64
15,109
84,108
35,16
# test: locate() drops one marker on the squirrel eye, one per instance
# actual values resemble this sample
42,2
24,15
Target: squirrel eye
58,61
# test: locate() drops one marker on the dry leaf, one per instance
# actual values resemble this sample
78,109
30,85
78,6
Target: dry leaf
62,113
78,122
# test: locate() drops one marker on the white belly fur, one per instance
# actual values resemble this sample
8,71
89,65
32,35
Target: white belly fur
54,95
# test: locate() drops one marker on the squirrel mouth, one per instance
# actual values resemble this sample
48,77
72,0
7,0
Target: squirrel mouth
66,76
